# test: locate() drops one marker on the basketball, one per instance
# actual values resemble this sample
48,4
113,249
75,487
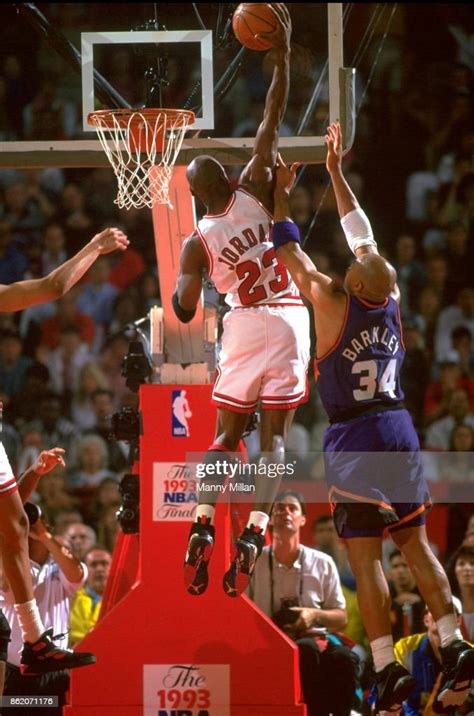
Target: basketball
254,18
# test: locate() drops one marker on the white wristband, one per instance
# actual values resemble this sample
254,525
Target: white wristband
358,230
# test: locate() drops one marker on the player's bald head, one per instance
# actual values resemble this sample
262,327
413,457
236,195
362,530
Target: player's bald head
206,176
371,277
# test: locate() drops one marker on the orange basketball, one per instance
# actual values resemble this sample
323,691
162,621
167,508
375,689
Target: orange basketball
253,18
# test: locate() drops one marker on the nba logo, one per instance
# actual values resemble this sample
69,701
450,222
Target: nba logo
180,414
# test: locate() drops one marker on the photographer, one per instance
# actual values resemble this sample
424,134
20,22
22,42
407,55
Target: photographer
56,576
299,588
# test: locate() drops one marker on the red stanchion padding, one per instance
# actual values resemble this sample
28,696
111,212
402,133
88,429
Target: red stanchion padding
161,651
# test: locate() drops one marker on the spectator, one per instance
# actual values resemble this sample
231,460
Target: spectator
106,495
410,272
13,263
80,538
97,297
53,496
305,600
108,527
53,428
23,214
407,605
64,519
23,406
461,571
125,311
461,314
54,253
148,292
13,364
92,462
459,258
461,339
91,378
436,270
414,374
420,655
439,433
426,317
103,406
73,216
327,540
110,361
65,362
438,393
88,600
57,575
65,315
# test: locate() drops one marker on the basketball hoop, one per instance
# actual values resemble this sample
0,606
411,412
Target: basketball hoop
142,146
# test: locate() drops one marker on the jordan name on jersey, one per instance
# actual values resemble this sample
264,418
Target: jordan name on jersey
238,246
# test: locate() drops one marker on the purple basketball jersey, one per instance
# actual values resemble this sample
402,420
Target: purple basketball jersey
363,368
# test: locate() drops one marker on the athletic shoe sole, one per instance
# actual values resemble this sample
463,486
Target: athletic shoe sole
37,669
236,579
195,567
455,691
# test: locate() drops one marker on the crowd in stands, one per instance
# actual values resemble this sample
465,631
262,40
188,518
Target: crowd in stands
412,166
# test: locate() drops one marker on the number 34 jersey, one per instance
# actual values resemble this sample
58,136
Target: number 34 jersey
363,368
241,257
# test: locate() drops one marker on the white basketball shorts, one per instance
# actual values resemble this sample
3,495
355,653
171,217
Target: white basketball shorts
264,357
7,478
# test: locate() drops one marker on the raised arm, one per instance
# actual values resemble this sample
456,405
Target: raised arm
265,149
193,264
354,221
22,294
313,284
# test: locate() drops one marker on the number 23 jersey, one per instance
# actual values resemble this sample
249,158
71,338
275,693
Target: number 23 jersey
363,368
241,257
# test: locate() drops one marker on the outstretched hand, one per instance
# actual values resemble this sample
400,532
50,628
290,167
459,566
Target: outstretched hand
47,460
280,37
285,176
333,141
110,240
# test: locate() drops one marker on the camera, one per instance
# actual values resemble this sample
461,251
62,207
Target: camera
126,424
137,367
284,616
33,512
128,515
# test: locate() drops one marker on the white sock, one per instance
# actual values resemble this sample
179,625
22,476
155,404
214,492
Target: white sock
448,629
258,519
29,620
382,652
207,511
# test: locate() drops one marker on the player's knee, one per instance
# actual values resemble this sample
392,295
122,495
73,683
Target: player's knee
5,634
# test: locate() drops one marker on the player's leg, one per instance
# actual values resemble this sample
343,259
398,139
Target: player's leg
275,423
229,430
431,579
249,545
393,682
40,654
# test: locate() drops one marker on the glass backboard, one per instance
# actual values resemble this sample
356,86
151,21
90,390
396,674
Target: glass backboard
62,60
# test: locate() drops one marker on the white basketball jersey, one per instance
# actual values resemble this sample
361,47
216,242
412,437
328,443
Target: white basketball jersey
241,256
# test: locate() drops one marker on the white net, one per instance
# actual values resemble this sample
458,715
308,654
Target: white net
142,146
